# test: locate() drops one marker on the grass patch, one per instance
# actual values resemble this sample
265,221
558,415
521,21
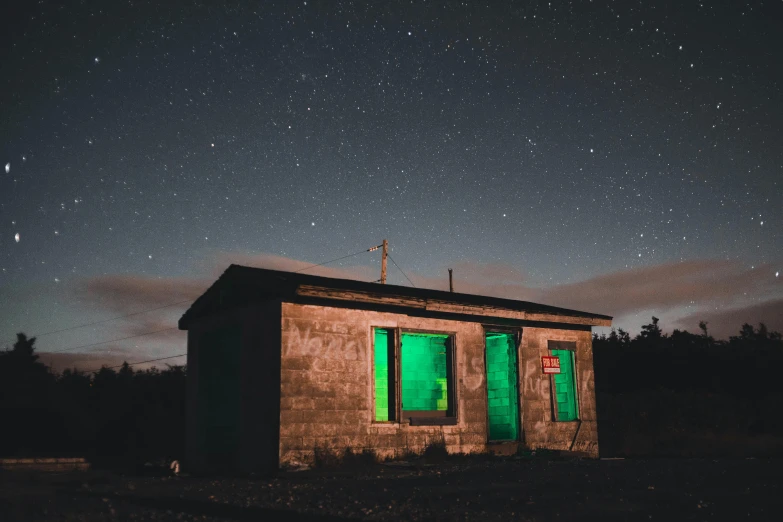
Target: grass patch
435,452
348,459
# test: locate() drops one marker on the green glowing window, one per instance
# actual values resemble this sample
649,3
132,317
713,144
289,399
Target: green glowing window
415,383
426,383
564,384
384,374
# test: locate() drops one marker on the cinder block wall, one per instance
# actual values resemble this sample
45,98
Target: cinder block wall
540,428
259,389
327,389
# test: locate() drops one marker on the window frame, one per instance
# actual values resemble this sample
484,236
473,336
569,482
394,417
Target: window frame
393,382
571,347
451,416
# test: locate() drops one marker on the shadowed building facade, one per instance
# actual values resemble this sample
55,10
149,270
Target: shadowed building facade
280,364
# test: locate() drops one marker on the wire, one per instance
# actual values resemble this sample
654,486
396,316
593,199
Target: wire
134,364
371,249
112,319
400,269
338,259
111,340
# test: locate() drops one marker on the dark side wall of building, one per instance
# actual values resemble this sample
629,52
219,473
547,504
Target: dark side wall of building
233,417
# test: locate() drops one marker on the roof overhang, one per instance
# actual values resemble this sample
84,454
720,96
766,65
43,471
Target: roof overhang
241,286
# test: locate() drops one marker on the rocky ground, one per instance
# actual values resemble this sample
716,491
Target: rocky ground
486,488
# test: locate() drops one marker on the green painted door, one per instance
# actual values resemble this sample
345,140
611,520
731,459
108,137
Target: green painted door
502,392
219,395
565,387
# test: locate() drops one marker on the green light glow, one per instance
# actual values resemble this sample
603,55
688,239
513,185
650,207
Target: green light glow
503,398
381,375
565,387
424,372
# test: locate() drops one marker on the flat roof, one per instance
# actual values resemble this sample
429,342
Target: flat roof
244,286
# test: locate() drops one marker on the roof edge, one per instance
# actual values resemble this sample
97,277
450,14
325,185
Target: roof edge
290,285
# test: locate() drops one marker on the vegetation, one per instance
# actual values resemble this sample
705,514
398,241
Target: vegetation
689,394
109,416
678,394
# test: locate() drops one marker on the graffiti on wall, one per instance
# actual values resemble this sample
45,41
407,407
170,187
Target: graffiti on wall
540,430
587,383
475,378
534,383
306,343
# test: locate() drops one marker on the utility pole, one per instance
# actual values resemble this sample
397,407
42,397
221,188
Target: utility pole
451,281
383,261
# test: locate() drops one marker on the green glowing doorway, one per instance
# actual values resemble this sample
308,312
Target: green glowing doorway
502,391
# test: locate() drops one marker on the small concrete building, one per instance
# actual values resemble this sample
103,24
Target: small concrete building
281,363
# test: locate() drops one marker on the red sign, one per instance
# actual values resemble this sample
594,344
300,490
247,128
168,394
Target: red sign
550,364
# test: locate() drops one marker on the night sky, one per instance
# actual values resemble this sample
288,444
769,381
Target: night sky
618,157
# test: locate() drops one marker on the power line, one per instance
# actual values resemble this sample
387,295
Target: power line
338,259
134,364
111,340
166,306
400,269
113,318
371,249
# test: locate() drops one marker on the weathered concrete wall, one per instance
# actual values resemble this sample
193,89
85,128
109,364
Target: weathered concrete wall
326,394
194,457
259,388
540,428
326,390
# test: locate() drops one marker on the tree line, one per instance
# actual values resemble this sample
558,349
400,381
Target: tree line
688,393
657,393
745,366
107,415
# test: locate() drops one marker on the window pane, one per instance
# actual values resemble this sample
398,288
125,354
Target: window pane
381,375
424,372
565,386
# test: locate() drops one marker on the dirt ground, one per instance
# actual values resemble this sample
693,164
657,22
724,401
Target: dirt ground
488,488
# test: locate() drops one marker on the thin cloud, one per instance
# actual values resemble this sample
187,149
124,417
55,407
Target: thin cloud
287,264
664,288
724,323
87,362
127,293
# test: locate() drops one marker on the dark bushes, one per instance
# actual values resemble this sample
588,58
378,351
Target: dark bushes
108,416
689,394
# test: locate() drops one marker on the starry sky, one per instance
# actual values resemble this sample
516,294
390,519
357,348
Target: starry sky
618,157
